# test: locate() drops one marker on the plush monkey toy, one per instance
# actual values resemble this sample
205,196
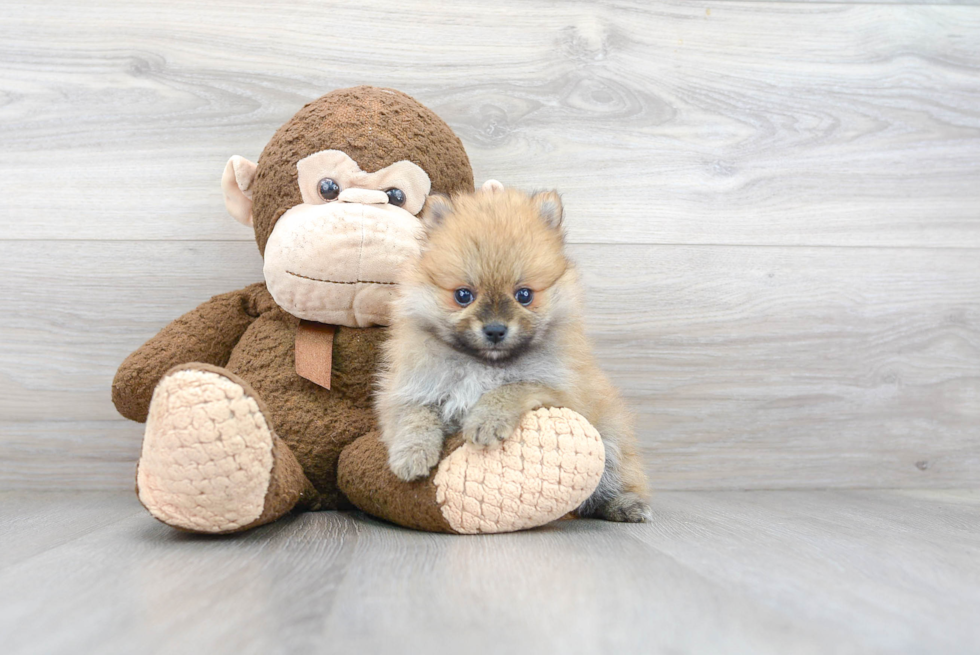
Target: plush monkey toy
258,402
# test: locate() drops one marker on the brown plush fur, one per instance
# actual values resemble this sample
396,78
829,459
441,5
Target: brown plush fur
444,373
206,334
340,121
248,335
367,481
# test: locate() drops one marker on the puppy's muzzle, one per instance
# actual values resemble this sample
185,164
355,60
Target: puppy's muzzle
495,332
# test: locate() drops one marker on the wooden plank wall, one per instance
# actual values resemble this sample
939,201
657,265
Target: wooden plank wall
776,207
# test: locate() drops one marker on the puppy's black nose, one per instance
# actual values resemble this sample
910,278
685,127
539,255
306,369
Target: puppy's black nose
495,332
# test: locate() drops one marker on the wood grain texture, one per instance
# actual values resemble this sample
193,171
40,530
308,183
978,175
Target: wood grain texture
748,367
719,572
661,122
31,524
774,205
971,3
69,454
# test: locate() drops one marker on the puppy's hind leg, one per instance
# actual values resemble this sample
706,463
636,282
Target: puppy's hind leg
619,496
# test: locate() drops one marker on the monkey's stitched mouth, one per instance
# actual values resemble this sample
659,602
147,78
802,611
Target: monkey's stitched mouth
316,279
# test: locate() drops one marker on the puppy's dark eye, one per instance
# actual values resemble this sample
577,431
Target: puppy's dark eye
396,197
329,190
524,296
463,296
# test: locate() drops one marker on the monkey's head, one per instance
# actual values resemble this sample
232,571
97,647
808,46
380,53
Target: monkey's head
335,198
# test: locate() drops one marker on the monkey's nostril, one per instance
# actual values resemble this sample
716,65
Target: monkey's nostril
495,332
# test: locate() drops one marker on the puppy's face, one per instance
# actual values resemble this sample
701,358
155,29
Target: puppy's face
492,279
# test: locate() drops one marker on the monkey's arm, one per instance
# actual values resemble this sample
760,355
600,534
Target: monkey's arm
205,334
498,412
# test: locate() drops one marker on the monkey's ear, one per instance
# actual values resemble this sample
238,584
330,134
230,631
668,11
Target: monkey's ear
549,206
437,208
492,186
236,184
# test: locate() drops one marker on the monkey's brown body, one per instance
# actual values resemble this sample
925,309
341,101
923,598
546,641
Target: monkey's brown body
316,423
235,436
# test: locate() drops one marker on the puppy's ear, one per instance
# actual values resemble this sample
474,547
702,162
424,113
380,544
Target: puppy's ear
549,207
437,208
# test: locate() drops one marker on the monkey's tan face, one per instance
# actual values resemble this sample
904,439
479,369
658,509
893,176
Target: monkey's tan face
335,257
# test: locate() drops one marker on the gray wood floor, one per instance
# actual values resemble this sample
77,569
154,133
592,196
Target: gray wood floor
715,572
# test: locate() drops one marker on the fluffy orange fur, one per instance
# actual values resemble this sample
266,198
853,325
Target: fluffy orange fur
444,374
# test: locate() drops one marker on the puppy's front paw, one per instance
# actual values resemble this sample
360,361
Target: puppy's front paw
488,425
413,460
627,508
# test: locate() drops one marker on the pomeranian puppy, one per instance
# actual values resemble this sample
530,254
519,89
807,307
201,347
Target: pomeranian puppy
487,326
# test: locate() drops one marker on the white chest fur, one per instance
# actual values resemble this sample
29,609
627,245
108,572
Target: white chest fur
453,382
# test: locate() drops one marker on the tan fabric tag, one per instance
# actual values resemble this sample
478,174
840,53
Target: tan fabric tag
314,352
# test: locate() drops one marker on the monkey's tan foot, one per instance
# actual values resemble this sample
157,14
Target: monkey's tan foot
548,467
210,461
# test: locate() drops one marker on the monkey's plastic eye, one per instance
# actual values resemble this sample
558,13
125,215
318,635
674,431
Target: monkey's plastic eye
524,296
329,190
463,296
396,197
